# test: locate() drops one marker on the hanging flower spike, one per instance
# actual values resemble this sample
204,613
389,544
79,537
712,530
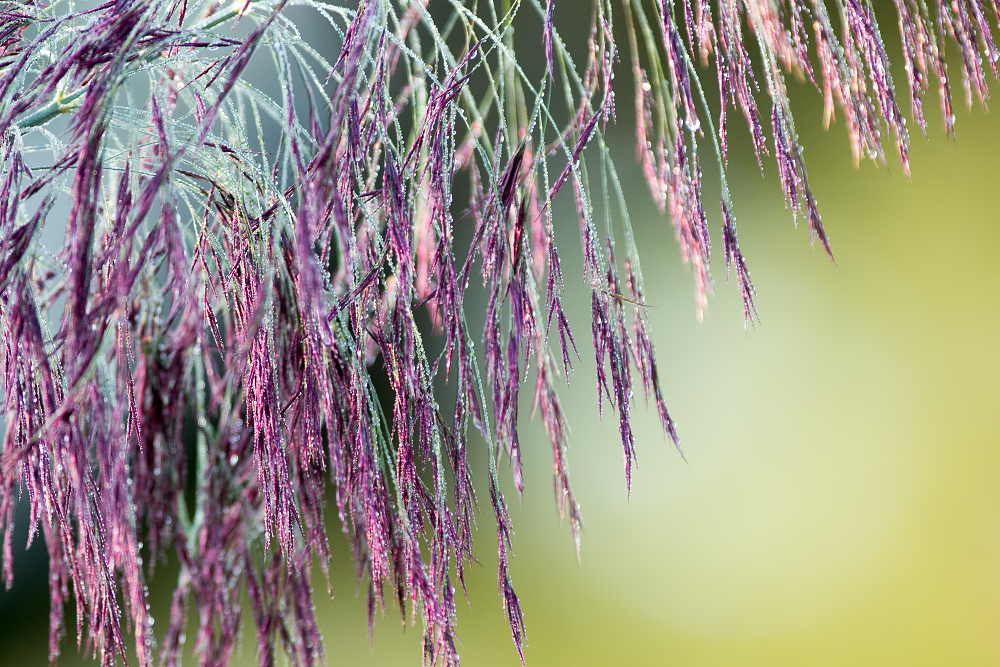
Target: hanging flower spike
240,320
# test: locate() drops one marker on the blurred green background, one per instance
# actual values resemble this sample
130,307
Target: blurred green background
840,499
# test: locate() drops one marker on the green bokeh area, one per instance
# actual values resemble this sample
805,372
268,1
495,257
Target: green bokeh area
840,499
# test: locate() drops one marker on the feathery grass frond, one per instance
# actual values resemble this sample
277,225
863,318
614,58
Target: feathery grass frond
192,370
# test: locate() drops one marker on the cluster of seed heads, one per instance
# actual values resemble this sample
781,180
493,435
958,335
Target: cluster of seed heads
194,373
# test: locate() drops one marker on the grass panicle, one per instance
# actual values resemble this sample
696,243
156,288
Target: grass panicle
260,312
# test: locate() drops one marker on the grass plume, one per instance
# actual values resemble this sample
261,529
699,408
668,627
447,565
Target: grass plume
236,263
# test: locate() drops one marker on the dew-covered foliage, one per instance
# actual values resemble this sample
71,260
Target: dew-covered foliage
192,374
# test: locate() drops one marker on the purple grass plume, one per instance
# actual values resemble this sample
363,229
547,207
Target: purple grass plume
257,316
